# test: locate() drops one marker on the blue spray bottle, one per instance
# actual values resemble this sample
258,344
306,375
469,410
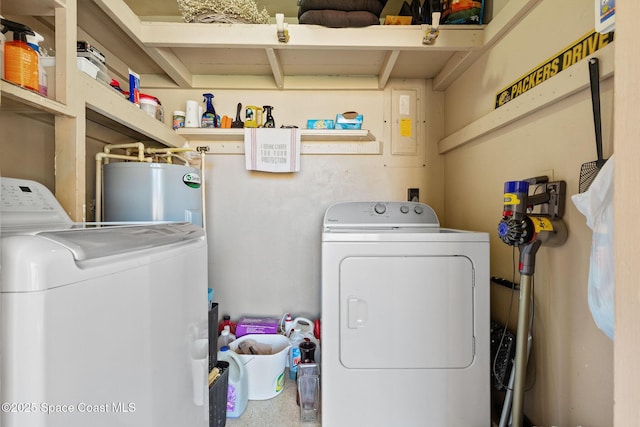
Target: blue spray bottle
209,118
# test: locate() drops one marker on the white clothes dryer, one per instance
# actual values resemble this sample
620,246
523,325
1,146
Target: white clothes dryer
405,319
101,325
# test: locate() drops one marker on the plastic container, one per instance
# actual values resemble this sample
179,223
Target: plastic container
134,87
178,119
226,321
20,60
308,396
34,42
209,118
295,339
49,65
237,392
148,104
265,371
302,323
87,67
226,337
288,323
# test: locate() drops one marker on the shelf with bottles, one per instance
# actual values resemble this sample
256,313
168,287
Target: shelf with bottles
45,24
313,141
109,108
235,134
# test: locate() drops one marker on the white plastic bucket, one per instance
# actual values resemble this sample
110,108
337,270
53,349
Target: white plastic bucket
265,371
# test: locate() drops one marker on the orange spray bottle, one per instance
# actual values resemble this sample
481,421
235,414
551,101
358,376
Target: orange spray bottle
20,60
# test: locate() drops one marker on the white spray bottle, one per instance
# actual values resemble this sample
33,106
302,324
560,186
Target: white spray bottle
34,42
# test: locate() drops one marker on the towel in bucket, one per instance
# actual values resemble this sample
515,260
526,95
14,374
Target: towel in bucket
272,150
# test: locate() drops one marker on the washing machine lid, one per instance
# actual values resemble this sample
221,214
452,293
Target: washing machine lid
113,239
29,210
379,215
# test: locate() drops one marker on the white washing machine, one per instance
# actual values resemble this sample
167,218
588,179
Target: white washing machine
405,319
101,324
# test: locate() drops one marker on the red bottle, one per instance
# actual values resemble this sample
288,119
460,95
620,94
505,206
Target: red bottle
226,320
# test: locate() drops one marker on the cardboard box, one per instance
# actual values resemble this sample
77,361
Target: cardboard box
348,123
256,325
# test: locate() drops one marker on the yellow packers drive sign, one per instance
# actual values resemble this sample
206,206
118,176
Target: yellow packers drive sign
579,50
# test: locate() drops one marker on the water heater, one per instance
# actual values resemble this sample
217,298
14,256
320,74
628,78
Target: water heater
138,191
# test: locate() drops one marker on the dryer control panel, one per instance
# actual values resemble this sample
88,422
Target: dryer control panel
380,214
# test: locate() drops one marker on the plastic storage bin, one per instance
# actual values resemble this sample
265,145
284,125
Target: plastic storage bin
265,371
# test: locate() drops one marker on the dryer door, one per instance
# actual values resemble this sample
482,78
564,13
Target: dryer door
406,312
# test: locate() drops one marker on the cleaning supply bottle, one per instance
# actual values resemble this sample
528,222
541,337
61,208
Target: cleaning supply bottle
253,117
288,324
297,337
269,123
209,117
302,323
226,337
226,320
34,43
20,60
238,391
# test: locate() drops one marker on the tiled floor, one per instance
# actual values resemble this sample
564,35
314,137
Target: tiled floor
280,411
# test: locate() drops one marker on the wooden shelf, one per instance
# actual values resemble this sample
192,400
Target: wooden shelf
16,99
109,108
204,134
228,56
313,141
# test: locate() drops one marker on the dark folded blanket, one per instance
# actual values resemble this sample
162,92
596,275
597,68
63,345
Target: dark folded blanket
339,18
373,6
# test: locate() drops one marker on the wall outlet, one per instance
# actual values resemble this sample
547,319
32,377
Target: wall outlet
413,194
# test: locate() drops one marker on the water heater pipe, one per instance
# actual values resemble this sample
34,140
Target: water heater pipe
138,145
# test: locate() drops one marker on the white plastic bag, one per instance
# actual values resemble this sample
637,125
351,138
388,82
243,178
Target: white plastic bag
596,204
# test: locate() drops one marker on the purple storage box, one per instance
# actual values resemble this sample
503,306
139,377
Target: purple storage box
256,325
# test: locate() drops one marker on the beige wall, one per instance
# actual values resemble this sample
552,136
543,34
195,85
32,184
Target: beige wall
571,380
27,149
264,229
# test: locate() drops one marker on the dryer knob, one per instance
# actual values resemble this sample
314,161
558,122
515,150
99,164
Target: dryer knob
404,209
419,210
380,208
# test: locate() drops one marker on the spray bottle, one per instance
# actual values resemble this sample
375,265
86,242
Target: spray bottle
20,61
209,117
269,123
34,43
